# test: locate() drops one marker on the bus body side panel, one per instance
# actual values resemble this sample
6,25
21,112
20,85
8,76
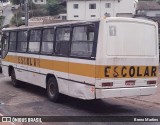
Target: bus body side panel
81,78
117,65
5,69
9,60
33,68
22,67
56,66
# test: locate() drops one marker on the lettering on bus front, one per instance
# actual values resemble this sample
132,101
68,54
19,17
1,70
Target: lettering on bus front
28,61
130,71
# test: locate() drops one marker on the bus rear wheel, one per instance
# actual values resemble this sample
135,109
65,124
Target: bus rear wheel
52,89
13,79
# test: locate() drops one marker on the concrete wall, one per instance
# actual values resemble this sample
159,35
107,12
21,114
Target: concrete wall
71,12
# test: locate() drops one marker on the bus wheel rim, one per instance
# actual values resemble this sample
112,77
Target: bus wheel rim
13,78
52,89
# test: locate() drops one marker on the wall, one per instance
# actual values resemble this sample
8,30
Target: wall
72,12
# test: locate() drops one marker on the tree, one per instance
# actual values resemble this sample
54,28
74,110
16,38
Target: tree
53,7
15,2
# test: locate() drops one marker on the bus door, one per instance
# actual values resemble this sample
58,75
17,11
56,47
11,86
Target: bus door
61,65
33,58
11,56
4,41
22,60
46,57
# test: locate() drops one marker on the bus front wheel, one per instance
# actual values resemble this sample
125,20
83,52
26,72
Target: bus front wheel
52,89
13,79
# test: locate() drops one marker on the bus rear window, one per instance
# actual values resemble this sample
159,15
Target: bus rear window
131,39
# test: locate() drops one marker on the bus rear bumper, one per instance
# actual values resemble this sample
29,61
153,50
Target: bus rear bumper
125,92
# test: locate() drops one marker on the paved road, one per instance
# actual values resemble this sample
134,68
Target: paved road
31,100
8,14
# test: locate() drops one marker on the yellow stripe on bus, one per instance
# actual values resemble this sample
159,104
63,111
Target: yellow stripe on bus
88,70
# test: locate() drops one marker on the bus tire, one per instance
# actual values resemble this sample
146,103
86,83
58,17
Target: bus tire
13,79
53,90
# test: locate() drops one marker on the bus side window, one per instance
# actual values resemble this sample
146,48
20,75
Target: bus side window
62,41
34,41
82,41
12,41
22,41
47,41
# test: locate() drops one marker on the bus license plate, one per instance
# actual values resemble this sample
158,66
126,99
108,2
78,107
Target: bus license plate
130,83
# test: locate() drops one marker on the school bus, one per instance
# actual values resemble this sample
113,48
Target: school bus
112,57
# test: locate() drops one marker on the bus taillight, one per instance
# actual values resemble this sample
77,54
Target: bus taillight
151,82
107,84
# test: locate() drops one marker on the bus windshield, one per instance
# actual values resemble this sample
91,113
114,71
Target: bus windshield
4,41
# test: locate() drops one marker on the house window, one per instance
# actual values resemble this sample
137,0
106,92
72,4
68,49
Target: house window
36,1
41,0
75,6
108,5
76,16
92,6
64,18
93,15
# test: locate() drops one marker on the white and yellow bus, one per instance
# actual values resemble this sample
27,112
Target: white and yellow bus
113,57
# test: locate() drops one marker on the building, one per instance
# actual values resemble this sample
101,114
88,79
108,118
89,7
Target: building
39,1
148,8
94,9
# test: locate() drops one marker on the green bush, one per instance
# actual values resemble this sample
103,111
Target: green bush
38,13
54,8
16,21
1,20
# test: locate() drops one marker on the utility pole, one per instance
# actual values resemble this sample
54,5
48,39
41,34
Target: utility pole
26,13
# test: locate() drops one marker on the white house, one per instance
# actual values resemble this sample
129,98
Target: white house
94,9
39,1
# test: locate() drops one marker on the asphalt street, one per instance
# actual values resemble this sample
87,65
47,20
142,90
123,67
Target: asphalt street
8,14
29,100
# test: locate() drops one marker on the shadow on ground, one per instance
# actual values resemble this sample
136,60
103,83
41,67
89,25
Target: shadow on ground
69,104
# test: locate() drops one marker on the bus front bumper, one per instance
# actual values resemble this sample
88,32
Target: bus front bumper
125,92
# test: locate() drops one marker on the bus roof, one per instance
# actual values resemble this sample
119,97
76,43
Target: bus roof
83,22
